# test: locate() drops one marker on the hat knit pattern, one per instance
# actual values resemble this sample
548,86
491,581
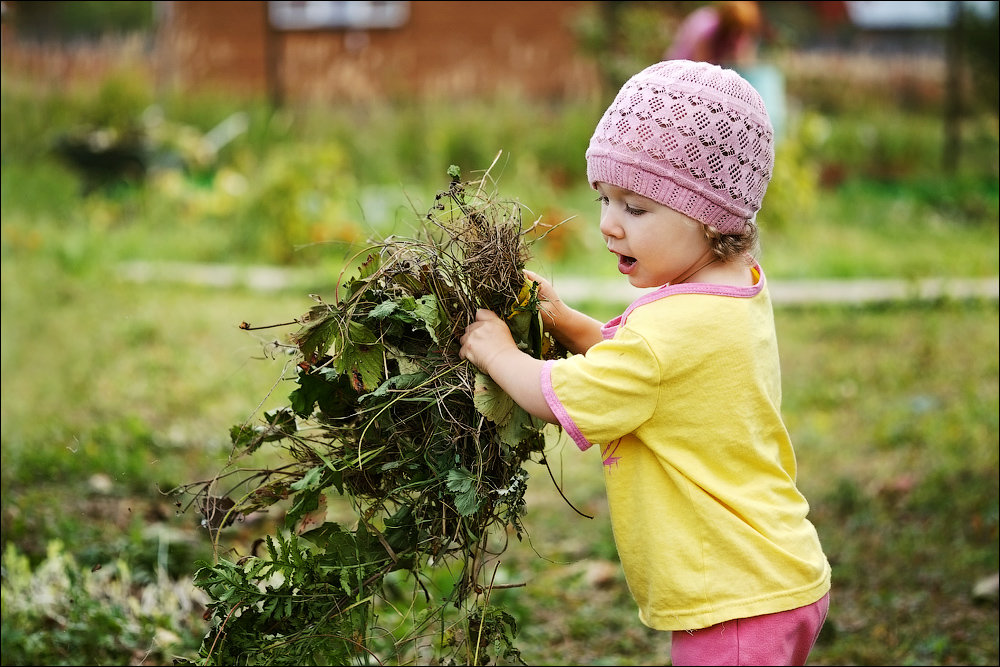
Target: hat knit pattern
692,136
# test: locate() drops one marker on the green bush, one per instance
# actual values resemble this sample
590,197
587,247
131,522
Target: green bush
793,191
61,614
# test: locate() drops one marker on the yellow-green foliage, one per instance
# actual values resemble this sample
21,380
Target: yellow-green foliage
794,188
59,613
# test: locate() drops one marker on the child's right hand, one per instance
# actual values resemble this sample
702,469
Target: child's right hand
578,332
550,302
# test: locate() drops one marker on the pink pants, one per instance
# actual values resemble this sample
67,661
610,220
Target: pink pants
785,638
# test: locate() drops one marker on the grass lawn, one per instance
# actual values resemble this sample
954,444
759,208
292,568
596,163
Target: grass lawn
115,391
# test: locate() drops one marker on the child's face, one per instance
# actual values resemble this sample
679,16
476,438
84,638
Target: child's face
655,245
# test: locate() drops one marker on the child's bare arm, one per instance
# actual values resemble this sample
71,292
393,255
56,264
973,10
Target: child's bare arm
577,331
487,343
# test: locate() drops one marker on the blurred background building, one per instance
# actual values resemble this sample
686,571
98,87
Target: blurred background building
328,51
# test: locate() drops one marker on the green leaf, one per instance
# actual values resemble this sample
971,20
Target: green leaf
308,489
460,480
467,503
368,268
333,539
427,311
320,327
384,309
371,264
359,334
281,424
411,311
401,530
305,502
360,357
525,320
310,481
367,365
463,485
491,401
336,476
520,426
325,387
244,437
406,381
303,399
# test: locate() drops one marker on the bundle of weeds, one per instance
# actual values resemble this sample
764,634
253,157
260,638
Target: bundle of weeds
384,412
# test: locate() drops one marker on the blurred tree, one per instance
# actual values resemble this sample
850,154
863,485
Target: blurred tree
972,48
625,37
60,20
805,24
981,46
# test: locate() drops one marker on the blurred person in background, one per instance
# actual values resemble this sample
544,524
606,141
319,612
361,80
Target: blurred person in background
724,33
729,34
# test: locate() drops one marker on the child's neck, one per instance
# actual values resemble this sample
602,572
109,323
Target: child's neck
717,272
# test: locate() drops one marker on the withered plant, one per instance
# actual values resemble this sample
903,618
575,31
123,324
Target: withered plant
429,453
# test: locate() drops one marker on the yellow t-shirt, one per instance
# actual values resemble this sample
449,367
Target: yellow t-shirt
684,397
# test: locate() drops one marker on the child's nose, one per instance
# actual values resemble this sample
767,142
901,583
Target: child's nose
610,225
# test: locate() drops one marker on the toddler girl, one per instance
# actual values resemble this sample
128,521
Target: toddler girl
682,391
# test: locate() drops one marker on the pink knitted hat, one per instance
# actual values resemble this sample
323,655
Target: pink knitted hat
692,136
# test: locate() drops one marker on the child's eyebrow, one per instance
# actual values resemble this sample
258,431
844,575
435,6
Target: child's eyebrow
637,199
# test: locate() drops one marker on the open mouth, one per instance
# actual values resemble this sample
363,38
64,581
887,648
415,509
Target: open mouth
626,263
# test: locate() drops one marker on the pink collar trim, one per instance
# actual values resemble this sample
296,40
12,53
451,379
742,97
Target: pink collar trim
609,329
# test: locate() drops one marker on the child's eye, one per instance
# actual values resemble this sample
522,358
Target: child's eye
602,200
633,211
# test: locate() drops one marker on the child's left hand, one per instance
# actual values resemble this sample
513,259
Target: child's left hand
489,345
485,339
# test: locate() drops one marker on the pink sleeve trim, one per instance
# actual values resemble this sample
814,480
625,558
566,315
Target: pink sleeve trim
559,410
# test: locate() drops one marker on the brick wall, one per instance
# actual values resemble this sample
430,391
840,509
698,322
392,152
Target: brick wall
444,49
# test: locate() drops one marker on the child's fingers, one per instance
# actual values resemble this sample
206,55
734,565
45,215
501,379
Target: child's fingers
545,288
534,277
531,275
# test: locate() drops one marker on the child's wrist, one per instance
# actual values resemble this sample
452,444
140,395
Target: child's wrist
554,315
489,360
502,358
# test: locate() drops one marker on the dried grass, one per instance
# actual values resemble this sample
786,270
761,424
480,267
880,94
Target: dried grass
429,451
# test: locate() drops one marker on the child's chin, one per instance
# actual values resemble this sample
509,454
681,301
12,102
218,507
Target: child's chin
637,281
